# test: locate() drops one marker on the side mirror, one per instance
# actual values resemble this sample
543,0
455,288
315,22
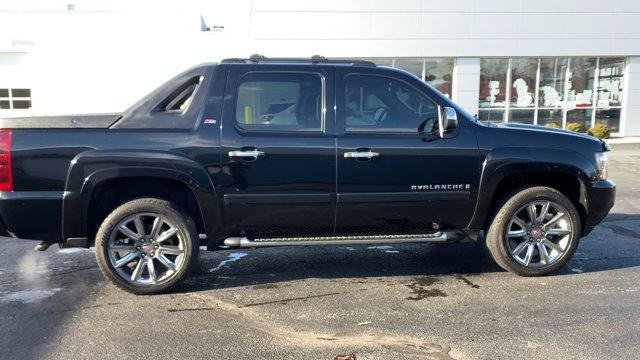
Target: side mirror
448,120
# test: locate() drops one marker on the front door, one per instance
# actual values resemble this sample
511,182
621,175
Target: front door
278,151
395,175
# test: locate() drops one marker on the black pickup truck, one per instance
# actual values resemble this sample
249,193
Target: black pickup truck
292,152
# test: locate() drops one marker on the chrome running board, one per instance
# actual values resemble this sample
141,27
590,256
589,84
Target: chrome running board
244,242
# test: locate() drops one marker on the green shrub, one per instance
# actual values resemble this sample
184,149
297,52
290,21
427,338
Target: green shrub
574,127
601,131
552,125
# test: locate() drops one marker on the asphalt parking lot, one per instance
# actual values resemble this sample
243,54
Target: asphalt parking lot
376,302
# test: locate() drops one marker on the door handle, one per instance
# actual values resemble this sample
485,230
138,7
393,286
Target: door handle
253,154
360,154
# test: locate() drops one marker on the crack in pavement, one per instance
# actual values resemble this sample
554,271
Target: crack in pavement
284,301
289,337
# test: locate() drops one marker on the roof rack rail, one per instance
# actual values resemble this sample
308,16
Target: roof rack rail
315,59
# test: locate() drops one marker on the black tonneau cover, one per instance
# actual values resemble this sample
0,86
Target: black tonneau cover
95,121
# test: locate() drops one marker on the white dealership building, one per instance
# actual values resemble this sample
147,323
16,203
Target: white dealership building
539,62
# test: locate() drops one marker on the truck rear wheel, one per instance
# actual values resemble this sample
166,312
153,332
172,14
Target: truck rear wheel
535,232
147,246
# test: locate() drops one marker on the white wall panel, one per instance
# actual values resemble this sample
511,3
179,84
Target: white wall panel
495,25
466,82
446,26
626,25
397,26
627,6
312,25
463,6
632,97
543,26
630,119
398,5
305,5
590,26
594,6
507,6
512,23
546,6
633,78
632,122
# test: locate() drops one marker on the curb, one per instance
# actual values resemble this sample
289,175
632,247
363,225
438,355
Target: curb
626,140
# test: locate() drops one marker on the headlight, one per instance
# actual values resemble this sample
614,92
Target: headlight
601,165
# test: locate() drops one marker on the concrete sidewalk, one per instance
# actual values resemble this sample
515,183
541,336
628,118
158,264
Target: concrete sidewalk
624,140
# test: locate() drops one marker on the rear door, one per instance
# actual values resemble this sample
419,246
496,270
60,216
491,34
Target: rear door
278,150
395,175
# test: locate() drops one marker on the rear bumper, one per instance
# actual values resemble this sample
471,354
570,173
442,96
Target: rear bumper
33,215
601,197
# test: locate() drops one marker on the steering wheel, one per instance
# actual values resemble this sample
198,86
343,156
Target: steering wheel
428,125
381,114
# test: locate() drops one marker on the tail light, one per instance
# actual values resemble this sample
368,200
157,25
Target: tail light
6,183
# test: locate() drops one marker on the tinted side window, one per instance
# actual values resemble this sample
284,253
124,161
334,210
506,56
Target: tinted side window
280,102
382,104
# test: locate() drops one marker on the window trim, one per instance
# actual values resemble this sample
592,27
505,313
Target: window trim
370,132
323,113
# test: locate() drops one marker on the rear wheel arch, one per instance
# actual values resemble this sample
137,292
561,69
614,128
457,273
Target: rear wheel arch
111,193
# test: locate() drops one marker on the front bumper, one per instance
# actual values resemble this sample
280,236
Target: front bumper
601,196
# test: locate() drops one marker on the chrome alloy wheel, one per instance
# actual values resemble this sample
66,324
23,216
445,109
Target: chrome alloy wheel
146,249
539,233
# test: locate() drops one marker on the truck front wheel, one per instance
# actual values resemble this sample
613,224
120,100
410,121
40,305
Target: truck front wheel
535,232
147,246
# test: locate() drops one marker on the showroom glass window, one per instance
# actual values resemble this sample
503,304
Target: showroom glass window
493,89
523,88
558,92
581,81
553,72
609,92
437,72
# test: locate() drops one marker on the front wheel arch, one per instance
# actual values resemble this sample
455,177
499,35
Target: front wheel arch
566,183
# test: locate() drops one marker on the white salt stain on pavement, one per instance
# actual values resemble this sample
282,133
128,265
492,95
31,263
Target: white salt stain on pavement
72,250
391,251
29,296
576,270
232,257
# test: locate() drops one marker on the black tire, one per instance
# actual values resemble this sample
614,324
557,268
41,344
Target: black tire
497,239
169,212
